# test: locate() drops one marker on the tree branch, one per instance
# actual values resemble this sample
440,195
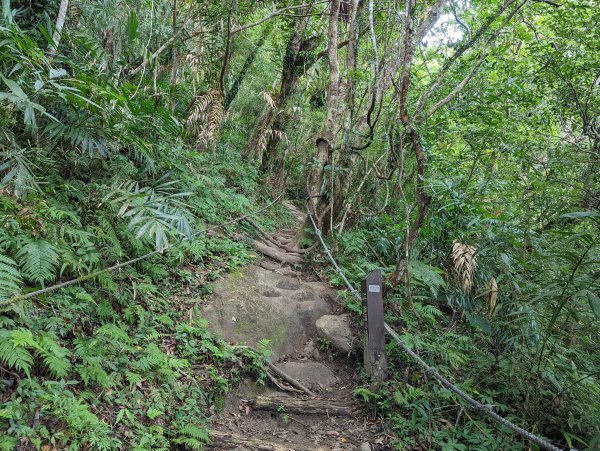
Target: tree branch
459,87
275,13
459,52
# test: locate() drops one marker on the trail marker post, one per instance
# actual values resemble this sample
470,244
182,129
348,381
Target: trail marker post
375,360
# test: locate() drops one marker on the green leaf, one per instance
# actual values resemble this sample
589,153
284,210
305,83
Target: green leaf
153,413
39,260
13,355
132,26
479,322
594,301
15,88
430,276
581,214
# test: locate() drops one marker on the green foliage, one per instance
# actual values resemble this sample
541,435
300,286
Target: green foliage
98,164
93,173
10,278
14,355
39,260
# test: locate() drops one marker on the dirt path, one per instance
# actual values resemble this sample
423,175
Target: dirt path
284,305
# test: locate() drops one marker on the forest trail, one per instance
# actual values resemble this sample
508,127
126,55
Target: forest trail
311,341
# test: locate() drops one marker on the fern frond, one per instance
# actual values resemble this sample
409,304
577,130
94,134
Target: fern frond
464,258
55,356
193,431
205,116
113,332
81,137
189,443
133,378
10,278
39,260
16,169
13,355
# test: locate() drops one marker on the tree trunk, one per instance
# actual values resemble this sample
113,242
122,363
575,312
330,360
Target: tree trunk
174,60
326,142
297,56
343,177
60,22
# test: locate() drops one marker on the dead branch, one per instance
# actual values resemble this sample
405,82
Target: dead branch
302,406
273,14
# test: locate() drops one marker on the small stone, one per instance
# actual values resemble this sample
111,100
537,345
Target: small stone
335,329
309,347
316,354
365,447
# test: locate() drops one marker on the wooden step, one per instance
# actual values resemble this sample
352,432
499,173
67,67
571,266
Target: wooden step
286,404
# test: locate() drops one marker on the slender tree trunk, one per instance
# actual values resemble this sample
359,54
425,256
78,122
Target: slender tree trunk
174,60
326,142
415,140
295,59
60,22
6,10
345,163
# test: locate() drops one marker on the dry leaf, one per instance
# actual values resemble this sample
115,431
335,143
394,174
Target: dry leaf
492,297
465,262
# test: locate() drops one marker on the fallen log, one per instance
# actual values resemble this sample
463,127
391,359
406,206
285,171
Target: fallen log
303,406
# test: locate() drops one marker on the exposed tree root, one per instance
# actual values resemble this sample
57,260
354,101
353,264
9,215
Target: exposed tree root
286,377
282,374
284,244
272,252
281,385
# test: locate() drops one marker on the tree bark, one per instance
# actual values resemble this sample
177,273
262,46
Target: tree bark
297,57
58,28
231,438
326,142
174,60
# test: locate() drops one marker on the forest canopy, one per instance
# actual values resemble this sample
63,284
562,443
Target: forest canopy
454,144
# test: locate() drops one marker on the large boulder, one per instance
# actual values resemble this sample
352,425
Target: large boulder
336,330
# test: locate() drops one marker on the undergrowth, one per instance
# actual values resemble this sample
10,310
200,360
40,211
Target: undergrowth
490,356
93,175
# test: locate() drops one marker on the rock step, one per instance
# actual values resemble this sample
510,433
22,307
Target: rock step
231,441
287,404
336,330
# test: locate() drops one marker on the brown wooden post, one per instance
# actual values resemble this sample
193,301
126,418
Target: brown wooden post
374,337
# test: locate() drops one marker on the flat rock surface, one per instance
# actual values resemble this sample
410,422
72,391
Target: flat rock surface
258,303
314,375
